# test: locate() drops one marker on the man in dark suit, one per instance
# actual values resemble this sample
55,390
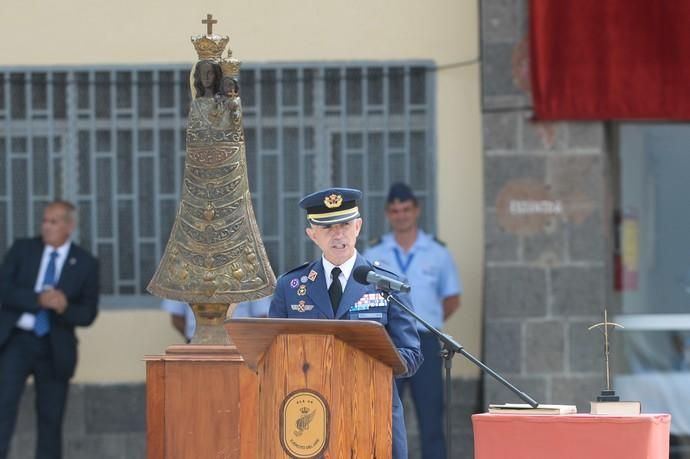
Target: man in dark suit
48,286
324,289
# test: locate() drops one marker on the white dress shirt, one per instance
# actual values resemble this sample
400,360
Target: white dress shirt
345,270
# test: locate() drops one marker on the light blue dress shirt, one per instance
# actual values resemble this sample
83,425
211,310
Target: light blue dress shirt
429,269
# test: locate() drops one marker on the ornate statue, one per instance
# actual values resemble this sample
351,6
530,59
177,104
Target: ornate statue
214,257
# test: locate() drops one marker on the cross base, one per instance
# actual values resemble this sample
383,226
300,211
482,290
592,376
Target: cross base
608,396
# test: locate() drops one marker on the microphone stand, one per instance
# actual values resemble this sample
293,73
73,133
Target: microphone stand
450,348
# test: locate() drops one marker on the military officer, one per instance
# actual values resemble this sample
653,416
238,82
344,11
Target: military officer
324,289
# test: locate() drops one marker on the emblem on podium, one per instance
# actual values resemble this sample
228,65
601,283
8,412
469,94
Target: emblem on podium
304,424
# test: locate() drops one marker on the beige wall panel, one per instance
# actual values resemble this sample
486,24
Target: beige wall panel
460,196
84,31
113,348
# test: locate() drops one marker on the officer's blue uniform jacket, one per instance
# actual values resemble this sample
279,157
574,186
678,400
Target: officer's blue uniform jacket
302,294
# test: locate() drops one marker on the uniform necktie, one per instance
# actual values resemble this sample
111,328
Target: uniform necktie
335,291
42,324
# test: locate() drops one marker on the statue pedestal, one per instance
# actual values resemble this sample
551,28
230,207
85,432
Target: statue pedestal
200,401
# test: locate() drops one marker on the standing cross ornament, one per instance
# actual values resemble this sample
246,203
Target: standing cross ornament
607,395
209,21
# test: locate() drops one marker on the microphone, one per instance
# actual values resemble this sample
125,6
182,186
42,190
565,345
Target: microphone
366,275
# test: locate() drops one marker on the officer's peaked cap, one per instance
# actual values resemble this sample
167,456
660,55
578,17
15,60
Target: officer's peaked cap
331,206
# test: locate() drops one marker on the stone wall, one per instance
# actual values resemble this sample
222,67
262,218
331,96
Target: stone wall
547,221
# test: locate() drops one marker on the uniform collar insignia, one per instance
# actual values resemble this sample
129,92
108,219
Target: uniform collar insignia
312,275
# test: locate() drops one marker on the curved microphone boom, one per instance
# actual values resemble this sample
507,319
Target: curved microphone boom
366,275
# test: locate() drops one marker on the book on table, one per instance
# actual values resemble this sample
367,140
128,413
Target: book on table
523,408
622,408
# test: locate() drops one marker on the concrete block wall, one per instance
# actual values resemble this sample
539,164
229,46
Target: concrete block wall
547,269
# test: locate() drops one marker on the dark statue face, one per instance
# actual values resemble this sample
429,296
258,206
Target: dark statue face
229,87
207,75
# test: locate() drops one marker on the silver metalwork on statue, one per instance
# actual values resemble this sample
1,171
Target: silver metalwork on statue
214,258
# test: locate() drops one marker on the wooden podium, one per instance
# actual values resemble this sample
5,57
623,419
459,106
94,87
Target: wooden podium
325,386
201,402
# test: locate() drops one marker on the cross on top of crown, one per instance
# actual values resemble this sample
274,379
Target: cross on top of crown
209,21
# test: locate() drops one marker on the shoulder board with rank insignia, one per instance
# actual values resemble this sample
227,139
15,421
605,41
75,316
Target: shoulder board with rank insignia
375,241
440,242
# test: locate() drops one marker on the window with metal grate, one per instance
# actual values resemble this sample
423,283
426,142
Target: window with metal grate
113,141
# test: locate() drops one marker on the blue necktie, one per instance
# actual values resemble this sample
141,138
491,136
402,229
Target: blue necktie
42,325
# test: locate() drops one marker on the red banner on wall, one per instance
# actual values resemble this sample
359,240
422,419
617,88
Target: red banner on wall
610,59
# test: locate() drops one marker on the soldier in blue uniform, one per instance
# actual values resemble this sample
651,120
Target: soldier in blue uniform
436,289
324,289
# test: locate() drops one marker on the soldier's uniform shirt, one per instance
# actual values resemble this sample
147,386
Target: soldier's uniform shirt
429,268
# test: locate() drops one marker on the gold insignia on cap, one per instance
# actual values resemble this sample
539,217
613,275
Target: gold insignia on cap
333,200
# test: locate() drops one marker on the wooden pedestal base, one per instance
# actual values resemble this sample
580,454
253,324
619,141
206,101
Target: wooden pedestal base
201,401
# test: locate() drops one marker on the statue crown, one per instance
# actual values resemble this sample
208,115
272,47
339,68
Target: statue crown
210,46
231,66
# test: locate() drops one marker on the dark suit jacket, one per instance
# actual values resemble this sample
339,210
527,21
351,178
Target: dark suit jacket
300,295
78,281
